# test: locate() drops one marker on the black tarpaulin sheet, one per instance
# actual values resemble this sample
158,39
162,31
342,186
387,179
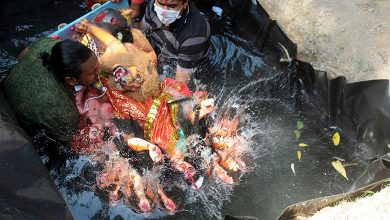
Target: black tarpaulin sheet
26,188
360,111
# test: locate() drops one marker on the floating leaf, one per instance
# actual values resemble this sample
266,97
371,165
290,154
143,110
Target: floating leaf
297,134
340,168
303,145
299,125
336,138
293,168
299,155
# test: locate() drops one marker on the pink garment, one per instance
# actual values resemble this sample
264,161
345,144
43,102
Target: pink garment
93,105
96,113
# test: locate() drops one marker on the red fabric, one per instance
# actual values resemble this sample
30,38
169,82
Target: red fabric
163,129
99,17
178,86
90,3
96,114
95,117
94,106
137,1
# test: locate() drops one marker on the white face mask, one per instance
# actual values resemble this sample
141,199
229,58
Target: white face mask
166,16
77,87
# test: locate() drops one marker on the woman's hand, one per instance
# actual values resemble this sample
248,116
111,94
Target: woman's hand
82,26
115,1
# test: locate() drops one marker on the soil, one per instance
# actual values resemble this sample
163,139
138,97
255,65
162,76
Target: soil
374,206
342,37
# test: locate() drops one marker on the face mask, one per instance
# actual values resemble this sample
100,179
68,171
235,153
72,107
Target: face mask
166,16
77,87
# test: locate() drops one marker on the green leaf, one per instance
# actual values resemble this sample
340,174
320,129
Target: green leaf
299,125
297,134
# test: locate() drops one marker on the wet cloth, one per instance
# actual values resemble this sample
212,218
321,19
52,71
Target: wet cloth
157,117
37,99
95,118
137,1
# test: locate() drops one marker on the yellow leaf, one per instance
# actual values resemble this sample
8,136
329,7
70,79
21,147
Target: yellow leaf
293,168
299,155
340,168
336,138
303,145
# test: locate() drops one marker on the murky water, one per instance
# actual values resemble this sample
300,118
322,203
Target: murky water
240,78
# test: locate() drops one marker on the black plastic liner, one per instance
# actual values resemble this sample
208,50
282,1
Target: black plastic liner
26,188
359,111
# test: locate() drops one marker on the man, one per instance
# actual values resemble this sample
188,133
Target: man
179,31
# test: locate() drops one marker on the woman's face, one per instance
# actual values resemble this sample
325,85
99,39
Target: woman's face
89,71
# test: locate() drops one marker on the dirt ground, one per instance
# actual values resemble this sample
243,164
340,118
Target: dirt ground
373,206
342,37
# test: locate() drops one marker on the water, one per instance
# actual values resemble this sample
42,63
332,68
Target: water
242,79
23,22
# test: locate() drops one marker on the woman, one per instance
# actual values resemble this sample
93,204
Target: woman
37,98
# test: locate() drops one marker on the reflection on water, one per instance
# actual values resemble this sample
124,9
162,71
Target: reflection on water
239,77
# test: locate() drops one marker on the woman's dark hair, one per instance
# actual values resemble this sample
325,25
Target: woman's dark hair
65,59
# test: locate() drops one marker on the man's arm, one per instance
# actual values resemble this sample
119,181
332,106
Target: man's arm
183,74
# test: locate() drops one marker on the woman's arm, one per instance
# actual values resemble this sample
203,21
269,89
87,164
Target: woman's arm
22,54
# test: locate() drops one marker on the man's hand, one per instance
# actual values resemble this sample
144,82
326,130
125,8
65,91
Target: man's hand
126,12
183,75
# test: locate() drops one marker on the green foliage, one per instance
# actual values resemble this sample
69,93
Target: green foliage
297,134
299,125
